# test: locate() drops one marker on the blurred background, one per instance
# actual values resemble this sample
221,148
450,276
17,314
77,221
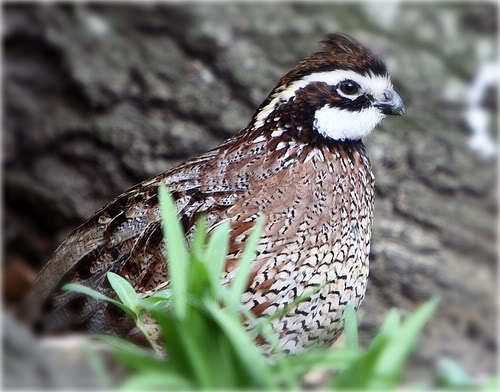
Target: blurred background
98,97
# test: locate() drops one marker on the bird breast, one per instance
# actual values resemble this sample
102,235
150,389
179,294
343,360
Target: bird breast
318,208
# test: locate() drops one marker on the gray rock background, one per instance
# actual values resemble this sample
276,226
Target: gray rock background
100,97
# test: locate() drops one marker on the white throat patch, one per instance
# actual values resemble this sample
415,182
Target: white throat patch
342,124
335,123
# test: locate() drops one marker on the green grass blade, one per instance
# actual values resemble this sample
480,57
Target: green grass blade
165,294
177,254
170,327
156,381
389,327
133,356
263,327
198,242
78,288
196,336
380,367
96,363
391,323
331,358
351,327
227,375
122,344
216,252
452,375
248,353
395,354
161,299
123,290
240,280
359,373
293,304
199,281
490,385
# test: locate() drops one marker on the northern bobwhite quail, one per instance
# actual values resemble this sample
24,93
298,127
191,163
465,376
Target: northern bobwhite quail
300,162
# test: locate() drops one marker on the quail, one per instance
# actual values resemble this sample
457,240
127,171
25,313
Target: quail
300,162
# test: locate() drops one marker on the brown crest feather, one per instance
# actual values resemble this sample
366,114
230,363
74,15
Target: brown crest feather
337,51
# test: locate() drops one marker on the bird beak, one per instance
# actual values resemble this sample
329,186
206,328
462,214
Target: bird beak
391,104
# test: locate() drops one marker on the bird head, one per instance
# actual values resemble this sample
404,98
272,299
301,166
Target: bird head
340,92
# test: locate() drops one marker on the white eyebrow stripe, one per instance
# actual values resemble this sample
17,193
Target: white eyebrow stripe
372,83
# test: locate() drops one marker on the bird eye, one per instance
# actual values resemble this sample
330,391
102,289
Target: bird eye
349,87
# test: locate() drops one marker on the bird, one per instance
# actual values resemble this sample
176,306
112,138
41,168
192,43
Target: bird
301,162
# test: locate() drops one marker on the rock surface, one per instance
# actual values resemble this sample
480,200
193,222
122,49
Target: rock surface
100,97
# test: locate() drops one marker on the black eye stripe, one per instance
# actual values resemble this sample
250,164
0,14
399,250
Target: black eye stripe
318,94
355,105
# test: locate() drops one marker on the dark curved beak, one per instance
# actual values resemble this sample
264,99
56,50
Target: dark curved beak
391,104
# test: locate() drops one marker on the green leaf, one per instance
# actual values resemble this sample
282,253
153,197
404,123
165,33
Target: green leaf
199,238
239,283
199,281
160,299
359,373
216,253
123,290
227,374
170,327
196,337
490,385
165,294
297,300
177,254
159,296
351,327
380,367
395,354
96,363
133,356
122,344
389,327
248,353
156,381
332,358
78,288
391,323
263,326
452,375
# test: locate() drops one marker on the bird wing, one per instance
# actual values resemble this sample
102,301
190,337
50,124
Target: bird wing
125,235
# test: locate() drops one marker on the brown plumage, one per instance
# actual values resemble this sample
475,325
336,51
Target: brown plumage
315,191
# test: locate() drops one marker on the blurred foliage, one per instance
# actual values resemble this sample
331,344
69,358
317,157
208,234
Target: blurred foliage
209,347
